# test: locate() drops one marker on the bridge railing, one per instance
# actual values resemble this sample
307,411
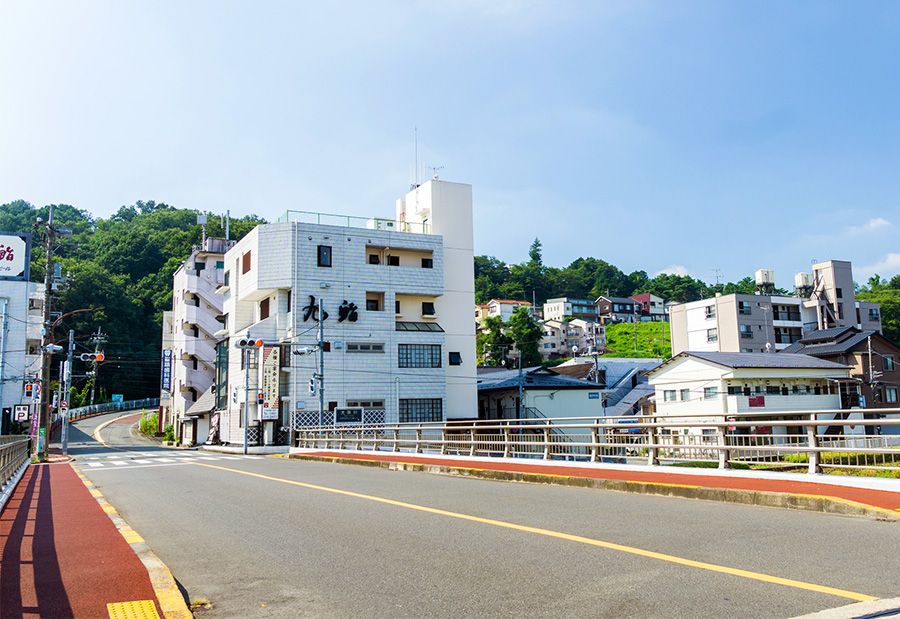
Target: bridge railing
850,440
14,456
111,407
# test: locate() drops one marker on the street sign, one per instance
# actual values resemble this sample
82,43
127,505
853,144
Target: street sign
20,412
63,406
118,398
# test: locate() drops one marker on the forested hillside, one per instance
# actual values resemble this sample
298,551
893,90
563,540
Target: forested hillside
121,267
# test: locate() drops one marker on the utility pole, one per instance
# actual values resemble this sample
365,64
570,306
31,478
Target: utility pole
321,376
66,381
246,353
521,382
41,447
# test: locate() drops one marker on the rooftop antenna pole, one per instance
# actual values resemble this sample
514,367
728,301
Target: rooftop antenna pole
228,225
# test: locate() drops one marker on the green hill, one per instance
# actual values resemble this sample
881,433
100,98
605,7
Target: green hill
652,340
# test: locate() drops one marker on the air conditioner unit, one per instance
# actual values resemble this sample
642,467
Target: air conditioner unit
381,224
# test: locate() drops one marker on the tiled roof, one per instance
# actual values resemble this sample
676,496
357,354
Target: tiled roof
765,360
510,301
824,335
829,347
532,378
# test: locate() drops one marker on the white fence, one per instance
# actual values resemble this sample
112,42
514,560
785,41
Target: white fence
791,440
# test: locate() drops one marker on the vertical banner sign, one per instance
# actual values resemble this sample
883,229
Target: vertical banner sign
166,370
15,254
268,380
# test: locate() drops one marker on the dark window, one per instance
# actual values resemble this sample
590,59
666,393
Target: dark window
264,309
361,347
227,278
418,326
199,266
888,363
840,293
421,410
393,261
245,263
324,255
840,311
373,259
744,308
220,264
284,356
427,263
419,356
427,308
396,307
734,390
289,299
222,374
372,305
455,358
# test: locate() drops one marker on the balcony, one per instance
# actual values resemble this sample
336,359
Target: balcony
202,318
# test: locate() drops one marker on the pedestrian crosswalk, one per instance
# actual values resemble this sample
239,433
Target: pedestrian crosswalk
133,459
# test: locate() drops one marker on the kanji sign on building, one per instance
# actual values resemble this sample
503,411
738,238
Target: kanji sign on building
166,370
15,254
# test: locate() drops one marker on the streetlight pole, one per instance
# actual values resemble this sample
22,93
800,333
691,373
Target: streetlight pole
41,446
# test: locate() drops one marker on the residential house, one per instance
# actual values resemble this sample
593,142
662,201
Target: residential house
504,308
567,308
617,309
650,307
874,363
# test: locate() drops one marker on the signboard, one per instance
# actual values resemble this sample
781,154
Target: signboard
15,254
118,398
348,415
165,372
756,401
63,406
593,396
269,380
20,412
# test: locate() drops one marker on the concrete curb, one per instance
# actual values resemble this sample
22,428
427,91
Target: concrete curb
164,586
806,502
878,608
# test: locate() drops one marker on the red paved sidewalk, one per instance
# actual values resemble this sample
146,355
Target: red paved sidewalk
60,554
881,499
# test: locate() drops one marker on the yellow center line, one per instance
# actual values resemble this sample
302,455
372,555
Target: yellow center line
712,567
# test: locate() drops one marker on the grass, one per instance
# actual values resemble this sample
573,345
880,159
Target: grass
149,424
652,340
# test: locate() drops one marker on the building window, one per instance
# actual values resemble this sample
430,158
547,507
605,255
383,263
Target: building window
421,410
734,390
747,331
669,395
364,347
744,308
427,263
685,395
890,394
455,358
264,309
712,335
710,392
873,313
888,363
220,264
290,298
840,293
396,307
427,308
199,266
324,256
245,263
393,261
419,356
369,404
840,311
372,305
773,390
374,259
710,311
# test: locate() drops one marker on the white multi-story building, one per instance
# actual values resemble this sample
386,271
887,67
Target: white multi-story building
568,307
504,308
397,296
21,314
765,321
196,324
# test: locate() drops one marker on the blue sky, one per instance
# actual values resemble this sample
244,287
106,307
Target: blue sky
687,136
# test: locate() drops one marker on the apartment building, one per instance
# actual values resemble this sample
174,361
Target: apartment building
770,322
567,307
21,316
394,298
196,324
651,308
570,338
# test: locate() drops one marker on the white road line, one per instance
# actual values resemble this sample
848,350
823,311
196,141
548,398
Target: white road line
207,458
94,464
142,461
140,466
165,460
229,458
119,462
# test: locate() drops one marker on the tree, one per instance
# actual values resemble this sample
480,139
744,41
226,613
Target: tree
492,342
534,252
526,334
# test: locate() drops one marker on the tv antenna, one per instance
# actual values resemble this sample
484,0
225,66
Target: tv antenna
434,171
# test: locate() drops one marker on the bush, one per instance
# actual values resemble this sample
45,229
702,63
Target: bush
169,433
149,423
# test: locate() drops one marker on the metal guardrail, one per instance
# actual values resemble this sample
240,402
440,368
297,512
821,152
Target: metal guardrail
14,454
808,440
111,407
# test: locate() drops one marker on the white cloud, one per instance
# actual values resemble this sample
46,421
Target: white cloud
887,267
674,269
876,223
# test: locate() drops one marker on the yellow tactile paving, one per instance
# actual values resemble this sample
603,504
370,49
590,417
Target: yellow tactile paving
140,609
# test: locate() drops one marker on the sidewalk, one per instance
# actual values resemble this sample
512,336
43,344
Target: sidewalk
875,497
61,555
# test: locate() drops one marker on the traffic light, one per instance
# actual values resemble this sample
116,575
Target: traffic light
248,343
94,357
29,390
259,398
312,386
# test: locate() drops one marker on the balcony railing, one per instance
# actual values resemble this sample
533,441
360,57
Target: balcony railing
351,221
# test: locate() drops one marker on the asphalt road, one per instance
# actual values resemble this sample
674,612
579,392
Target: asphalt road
270,537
